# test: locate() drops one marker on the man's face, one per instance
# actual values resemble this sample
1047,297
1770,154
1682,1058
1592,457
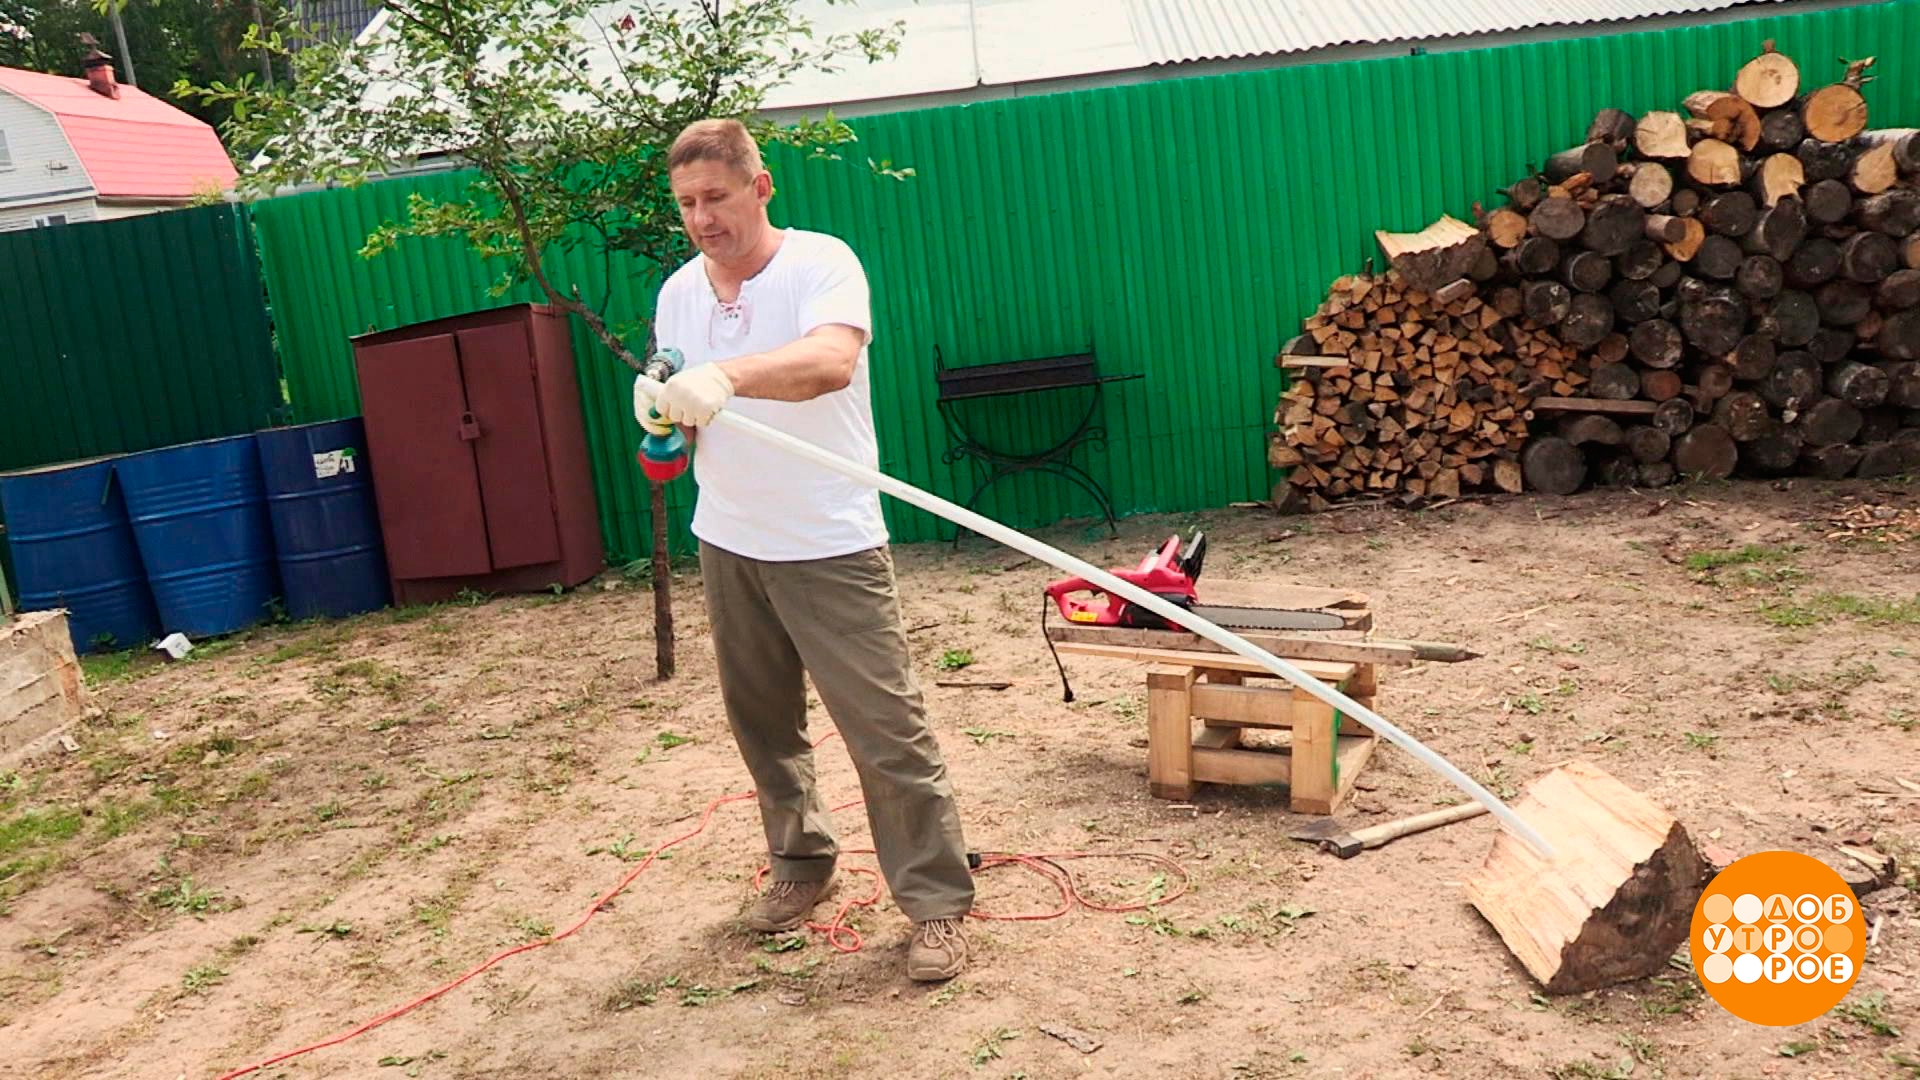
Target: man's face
724,209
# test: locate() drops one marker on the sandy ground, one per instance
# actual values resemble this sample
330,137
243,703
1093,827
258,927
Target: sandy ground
305,826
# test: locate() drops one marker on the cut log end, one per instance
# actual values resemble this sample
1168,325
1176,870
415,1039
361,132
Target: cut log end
1615,903
1768,80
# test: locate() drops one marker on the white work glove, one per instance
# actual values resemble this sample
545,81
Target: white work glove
643,409
693,396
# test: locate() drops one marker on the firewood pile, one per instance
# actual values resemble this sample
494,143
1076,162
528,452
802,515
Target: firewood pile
1729,287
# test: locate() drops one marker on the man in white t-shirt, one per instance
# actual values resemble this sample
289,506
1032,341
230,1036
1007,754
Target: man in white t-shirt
774,325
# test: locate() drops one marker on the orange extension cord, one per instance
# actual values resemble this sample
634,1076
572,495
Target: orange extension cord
840,936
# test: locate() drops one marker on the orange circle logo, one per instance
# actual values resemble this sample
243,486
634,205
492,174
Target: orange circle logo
1778,938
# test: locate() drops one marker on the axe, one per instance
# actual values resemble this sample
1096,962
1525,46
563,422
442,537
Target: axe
1334,835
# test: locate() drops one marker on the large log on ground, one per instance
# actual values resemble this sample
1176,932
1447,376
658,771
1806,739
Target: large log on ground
1831,462
1828,201
1656,343
1661,135
1616,901
1768,80
1707,451
1553,465
1860,385
1896,213
1774,453
1828,422
1647,444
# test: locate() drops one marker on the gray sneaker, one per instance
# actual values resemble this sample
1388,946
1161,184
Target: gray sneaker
938,952
786,904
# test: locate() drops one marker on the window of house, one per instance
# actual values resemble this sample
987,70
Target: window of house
50,219
6,155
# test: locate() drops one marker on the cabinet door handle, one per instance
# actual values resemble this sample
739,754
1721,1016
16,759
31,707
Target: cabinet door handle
469,427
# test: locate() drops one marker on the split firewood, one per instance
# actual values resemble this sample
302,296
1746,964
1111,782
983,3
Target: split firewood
1874,171
1662,135
1905,143
1729,116
1779,176
1443,252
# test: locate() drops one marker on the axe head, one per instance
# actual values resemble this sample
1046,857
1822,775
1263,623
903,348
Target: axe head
1331,834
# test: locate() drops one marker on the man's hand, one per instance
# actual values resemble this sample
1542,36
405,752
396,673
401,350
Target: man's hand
692,397
643,411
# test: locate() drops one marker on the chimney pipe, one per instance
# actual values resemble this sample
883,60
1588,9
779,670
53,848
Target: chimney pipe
99,68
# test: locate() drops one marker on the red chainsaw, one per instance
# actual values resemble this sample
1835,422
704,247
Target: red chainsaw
1171,576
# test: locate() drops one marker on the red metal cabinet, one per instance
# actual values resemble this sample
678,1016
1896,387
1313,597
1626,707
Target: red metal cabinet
479,455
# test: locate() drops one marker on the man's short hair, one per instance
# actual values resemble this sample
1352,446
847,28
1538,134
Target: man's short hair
725,141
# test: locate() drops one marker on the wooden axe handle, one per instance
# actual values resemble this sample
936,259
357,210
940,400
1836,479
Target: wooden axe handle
1374,835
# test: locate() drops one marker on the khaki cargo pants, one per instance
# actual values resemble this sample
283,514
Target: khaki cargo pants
839,621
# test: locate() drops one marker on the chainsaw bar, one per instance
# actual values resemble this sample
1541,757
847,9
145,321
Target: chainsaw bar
1253,618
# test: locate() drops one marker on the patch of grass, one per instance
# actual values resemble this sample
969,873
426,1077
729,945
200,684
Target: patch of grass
1701,740
120,818
1545,644
533,929
328,811
1797,1049
30,847
982,736
668,740
1870,1012
1824,606
183,897
239,946
335,930
631,993
1708,561
955,659
1854,676
1789,683
1529,703
201,977
103,668
988,1048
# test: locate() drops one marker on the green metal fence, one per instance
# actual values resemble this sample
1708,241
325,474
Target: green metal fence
127,335
1180,229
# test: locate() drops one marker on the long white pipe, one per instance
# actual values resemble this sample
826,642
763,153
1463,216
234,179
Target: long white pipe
1226,639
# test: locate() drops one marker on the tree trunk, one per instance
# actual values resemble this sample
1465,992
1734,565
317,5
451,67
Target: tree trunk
1715,382
1536,255
1661,135
1714,164
1861,385
1589,319
1706,451
1647,444
1731,214
1658,385
1897,213
1868,257
1900,291
1640,261
1831,462
1774,453
1675,417
1753,358
1881,459
1828,201
1744,416
1596,159
1613,127
1714,325
1873,172
1656,343
1834,113
1635,301
1717,258
1588,271
1557,218
1615,382
1768,80
1652,184
1817,261
1903,383
1760,277
1486,266
1899,338
1553,465
662,585
1547,302
1843,303
1794,383
1781,129
1584,429
1828,422
1830,345
1613,225
1792,318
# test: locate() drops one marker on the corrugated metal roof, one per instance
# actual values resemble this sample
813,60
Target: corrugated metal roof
132,146
1222,29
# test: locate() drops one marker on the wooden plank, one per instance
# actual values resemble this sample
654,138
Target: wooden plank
1297,361
1169,731
1243,767
1217,738
1595,405
1326,672
1352,753
1286,646
42,690
1243,706
1313,790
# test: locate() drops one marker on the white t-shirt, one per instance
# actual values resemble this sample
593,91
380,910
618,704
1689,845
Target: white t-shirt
755,499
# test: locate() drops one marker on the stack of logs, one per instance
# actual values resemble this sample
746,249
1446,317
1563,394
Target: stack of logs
1736,288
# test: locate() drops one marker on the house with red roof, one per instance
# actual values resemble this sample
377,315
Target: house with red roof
92,149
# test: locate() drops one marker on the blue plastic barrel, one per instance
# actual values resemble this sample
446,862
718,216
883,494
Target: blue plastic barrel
199,514
73,549
326,527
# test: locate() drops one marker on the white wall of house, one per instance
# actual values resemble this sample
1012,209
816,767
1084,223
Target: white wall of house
39,172
112,211
48,213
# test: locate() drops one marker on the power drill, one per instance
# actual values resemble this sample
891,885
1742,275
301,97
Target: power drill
663,457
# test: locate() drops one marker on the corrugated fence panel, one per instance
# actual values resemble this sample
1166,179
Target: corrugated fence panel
127,335
1180,229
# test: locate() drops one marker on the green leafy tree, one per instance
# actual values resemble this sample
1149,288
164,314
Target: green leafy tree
563,109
